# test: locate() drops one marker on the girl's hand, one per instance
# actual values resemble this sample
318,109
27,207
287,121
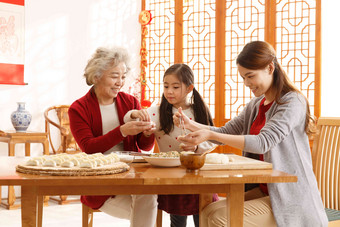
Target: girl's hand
135,127
195,138
177,117
142,115
185,147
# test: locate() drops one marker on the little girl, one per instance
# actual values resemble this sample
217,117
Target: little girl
178,83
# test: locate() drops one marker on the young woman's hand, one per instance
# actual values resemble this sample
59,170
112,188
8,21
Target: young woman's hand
195,138
135,127
142,115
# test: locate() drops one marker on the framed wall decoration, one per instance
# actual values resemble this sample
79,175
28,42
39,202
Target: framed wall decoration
12,38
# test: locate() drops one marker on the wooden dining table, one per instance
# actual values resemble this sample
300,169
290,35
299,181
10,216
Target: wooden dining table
142,178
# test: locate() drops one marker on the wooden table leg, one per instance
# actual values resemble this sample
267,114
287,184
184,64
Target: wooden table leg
235,205
40,210
11,147
29,206
27,149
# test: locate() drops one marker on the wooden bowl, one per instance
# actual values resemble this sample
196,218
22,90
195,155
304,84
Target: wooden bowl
192,162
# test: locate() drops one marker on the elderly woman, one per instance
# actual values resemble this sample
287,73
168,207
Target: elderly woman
96,122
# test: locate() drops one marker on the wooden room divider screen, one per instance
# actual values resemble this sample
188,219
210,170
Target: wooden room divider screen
208,34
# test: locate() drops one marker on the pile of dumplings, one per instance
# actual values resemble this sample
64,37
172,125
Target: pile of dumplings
81,160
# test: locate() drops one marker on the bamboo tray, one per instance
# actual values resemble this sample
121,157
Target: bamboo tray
118,167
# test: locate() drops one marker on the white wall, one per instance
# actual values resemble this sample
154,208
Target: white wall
330,81
62,35
60,38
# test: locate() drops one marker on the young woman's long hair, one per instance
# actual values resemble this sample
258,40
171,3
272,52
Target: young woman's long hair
201,112
258,55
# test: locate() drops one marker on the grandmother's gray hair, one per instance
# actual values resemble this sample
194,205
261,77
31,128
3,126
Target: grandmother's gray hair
102,60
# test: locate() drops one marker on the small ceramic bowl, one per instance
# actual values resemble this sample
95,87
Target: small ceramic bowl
126,158
192,162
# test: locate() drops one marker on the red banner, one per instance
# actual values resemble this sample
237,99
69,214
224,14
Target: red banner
15,2
11,74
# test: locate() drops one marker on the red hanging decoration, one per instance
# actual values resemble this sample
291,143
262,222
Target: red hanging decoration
144,19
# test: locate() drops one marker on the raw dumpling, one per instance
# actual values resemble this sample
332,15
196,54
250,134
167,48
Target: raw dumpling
86,164
33,162
67,164
50,163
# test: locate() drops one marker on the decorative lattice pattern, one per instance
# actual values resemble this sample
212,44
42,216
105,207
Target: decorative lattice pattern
160,43
199,46
295,43
244,23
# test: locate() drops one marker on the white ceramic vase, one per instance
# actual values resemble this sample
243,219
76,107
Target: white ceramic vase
21,118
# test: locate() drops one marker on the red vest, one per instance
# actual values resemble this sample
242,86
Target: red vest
256,127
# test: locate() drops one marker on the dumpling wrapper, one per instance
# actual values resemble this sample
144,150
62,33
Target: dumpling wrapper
215,158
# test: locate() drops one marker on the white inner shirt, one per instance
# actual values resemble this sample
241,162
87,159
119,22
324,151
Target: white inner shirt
110,121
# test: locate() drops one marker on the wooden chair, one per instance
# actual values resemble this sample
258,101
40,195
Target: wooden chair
88,216
67,142
326,165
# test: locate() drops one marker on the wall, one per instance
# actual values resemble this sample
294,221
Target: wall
330,81
60,38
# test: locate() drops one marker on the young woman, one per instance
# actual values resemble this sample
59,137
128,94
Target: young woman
96,122
178,84
275,126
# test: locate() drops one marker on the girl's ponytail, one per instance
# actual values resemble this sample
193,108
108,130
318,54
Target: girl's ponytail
201,110
165,116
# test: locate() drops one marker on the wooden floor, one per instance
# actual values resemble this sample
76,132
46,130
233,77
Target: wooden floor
70,216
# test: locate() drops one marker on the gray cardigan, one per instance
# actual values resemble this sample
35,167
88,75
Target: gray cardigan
284,143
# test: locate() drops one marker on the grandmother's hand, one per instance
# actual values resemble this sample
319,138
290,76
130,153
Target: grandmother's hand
142,115
134,127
